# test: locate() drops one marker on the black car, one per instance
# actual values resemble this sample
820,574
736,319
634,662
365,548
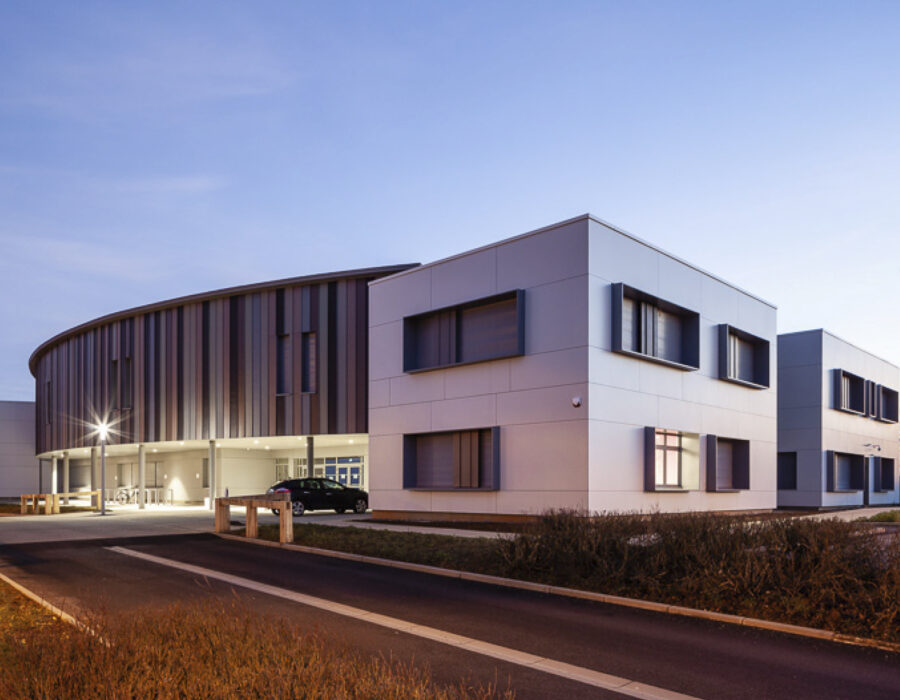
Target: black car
322,494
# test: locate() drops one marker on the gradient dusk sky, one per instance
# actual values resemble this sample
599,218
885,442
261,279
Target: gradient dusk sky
152,150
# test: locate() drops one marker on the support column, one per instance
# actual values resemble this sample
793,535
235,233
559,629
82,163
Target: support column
40,479
142,478
65,477
310,452
95,478
213,480
54,475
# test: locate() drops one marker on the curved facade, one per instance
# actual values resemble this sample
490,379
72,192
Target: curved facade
279,358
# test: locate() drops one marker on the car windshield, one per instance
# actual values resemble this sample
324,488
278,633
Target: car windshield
329,484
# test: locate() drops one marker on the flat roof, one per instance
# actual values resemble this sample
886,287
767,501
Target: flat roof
582,217
823,331
208,296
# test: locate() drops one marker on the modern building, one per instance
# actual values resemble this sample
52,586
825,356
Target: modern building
19,471
575,366
226,391
837,423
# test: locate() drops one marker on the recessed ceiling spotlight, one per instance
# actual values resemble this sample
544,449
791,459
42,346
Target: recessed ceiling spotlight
181,442
268,448
155,450
256,442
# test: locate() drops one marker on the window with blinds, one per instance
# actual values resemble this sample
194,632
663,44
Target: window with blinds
743,358
459,459
484,329
727,464
654,329
849,392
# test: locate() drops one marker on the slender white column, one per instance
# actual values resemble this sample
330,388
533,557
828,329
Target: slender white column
66,477
95,478
213,476
54,474
142,477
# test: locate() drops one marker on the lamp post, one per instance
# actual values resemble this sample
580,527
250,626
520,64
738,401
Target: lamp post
103,432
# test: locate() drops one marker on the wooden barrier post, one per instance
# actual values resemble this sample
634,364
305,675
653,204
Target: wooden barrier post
48,504
23,506
55,498
252,521
223,515
34,503
286,524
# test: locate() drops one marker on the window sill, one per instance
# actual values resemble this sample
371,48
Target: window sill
852,411
845,491
658,360
449,489
886,420
417,370
744,382
670,489
726,491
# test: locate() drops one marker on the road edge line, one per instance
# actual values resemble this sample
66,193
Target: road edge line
665,608
34,597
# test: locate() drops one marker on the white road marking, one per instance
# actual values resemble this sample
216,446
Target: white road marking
617,684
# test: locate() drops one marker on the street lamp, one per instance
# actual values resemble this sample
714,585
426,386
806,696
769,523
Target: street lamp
103,432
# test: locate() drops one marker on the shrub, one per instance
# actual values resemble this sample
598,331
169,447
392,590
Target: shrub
829,574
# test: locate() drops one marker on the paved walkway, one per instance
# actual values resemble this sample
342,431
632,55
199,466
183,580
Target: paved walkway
128,521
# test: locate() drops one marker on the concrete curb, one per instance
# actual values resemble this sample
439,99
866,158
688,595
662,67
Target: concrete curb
797,630
31,595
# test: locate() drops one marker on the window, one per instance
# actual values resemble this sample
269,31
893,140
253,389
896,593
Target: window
127,383
283,362
743,358
113,387
282,469
654,329
464,459
727,464
849,392
883,474
308,364
486,329
671,460
787,471
846,471
887,404
872,399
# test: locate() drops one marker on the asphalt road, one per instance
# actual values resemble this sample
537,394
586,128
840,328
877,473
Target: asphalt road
694,657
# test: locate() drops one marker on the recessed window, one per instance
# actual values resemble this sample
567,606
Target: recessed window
485,329
849,392
883,474
653,329
787,471
283,364
308,363
846,471
743,358
671,460
461,459
872,399
886,400
727,464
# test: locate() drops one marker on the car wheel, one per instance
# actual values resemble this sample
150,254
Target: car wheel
298,508
361,505
339,510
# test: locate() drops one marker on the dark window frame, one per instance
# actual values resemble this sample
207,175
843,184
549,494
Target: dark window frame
689,357
740,465
451,317
884,471
687,473
857,397
783,483
886,401
488,475
858,464
727,371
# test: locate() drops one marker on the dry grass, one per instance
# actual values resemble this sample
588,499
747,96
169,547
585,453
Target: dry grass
827,574
888,516
197,651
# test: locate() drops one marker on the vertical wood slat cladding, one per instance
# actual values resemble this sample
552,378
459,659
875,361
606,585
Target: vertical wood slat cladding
208,369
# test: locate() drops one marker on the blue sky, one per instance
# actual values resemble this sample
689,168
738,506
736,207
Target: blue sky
153,150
